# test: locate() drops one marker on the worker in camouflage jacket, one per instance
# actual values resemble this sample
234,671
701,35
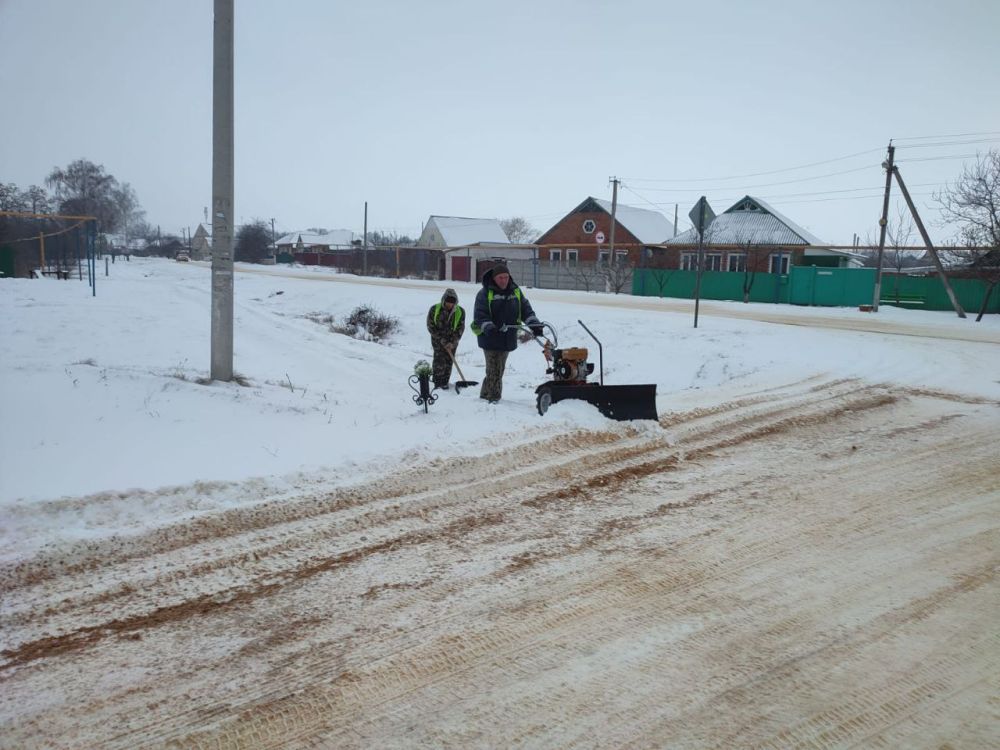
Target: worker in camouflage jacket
500,308
446,324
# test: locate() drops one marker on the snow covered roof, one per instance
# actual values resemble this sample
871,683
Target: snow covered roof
462,230
333,237
648,226
751,220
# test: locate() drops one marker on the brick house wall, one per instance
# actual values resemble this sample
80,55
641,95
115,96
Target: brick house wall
758,258
569,234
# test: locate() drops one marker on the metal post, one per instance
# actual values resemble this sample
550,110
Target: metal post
364,252
222,192
92,244
614,211
697,278
883,223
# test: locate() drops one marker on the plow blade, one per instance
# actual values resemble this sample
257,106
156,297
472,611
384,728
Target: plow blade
621,402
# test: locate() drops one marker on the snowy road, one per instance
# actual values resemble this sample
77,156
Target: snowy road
750,572
797,316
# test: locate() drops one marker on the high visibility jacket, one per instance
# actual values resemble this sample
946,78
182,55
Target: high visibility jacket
445,327
501,307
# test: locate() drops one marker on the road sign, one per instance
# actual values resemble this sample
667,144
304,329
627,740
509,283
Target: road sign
599,237
701,215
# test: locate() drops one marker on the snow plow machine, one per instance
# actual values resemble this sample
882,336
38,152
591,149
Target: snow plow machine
569,369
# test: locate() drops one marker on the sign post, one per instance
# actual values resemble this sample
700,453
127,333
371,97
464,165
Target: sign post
701,216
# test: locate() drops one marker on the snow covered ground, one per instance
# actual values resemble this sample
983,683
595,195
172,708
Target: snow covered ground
102,395
804,545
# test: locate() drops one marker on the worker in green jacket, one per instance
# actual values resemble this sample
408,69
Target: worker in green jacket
446,324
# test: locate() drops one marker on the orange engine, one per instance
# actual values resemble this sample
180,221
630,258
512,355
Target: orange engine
569,364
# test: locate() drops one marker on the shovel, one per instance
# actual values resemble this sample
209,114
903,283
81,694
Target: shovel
463,383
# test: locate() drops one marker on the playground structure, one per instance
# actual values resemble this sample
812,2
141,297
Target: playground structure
59,246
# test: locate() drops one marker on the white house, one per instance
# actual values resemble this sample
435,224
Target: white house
466,242
460,231
311,242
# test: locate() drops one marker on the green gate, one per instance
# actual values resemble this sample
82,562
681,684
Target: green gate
6,262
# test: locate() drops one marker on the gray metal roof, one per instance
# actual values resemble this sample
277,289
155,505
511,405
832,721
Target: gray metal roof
751,220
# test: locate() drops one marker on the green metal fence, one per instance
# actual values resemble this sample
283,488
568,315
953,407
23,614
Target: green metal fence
816,285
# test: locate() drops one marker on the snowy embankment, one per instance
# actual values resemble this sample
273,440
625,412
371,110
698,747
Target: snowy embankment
102,395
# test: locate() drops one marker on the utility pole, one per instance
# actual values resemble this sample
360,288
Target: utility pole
930,247
675,218
364,251
274,242
614,210
882,224
222,192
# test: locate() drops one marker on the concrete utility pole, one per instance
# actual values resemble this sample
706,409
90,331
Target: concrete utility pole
676,206
614,220
274,241
930,247
882,224
364,251
222,192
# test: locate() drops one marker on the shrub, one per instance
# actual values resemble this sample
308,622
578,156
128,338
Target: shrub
367,323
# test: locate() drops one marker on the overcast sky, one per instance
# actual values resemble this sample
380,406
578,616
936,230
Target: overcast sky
495,109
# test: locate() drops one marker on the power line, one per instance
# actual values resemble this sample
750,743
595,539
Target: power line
941,158
951,135
950,143
764,184
759,174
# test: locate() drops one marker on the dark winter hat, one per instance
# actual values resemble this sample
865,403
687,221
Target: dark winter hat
500,268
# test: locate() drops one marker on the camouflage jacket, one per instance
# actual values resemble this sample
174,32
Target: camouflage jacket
444,327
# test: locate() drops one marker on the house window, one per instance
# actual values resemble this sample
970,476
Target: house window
779,263
737,262
571,257
555,256
603,256
713,261
589,226
689,261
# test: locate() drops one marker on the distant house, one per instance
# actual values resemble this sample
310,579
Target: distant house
201,244
471,246
310,242
460,231
584,234
752,232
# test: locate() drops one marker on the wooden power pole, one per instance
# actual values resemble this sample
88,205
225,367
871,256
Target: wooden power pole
882,225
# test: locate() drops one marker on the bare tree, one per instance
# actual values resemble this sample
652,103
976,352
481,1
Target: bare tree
659,270
587,275
973,204
896,255
616,273
84,188
755,259
253,241
11,198
37,200
129,213
518,230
